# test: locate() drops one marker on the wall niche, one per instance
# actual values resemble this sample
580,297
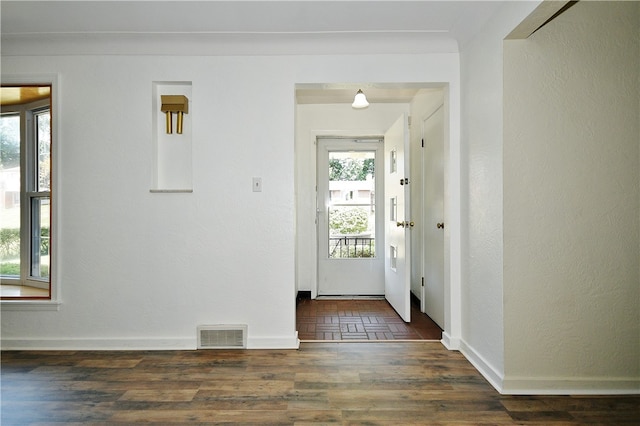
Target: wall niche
172,137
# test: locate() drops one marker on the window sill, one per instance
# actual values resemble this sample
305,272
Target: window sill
29,305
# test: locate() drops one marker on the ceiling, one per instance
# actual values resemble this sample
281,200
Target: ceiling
242,16
248,27
17,95
344,93
327,25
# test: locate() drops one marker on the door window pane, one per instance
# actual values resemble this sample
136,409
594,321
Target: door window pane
393,162
352,217
393,257
393,209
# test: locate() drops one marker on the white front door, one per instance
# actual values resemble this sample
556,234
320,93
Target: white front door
433,130
349,217
397,221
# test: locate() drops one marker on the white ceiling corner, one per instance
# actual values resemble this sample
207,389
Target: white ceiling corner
240,27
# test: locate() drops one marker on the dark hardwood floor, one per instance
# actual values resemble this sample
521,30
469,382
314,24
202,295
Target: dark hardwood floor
361,319
373,383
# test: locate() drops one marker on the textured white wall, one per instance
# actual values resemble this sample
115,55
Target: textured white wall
571,203
140,269
143,270
481,192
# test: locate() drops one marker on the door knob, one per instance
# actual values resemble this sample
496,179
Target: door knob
440,225
405,224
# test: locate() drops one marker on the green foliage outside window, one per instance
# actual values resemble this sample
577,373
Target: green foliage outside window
10,242
351,221
350,169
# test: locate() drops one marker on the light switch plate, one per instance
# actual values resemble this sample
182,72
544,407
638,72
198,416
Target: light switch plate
257,184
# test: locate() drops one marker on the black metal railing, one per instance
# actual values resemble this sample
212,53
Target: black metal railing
351,247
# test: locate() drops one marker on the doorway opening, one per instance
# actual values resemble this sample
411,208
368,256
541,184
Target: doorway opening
325,110
349,223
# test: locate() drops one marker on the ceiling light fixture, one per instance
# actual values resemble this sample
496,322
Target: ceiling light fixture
360,101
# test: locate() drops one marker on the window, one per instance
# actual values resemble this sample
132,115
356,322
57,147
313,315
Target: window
352,218
25,191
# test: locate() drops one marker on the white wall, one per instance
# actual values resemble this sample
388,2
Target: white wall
481,192
572,203
143,270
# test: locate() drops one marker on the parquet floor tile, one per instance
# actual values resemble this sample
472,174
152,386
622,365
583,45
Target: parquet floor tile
363,319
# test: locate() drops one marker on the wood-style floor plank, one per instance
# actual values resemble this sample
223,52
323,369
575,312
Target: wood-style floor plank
390,383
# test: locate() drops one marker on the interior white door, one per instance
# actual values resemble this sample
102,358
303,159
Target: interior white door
433,131
397,268
350,223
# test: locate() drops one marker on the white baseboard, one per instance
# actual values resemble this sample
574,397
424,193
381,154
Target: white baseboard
493,376
451,343
134,344
273,342
570,386
99,344
549,385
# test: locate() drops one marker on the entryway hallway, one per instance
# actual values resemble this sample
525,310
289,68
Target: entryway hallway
361,319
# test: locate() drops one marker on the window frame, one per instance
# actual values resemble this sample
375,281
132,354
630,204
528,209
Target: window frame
30,215
29,191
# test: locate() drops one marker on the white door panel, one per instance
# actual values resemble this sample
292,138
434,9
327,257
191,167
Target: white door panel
433,128
396,200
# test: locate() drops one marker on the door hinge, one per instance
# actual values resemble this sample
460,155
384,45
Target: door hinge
404,181
422,281
423,143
